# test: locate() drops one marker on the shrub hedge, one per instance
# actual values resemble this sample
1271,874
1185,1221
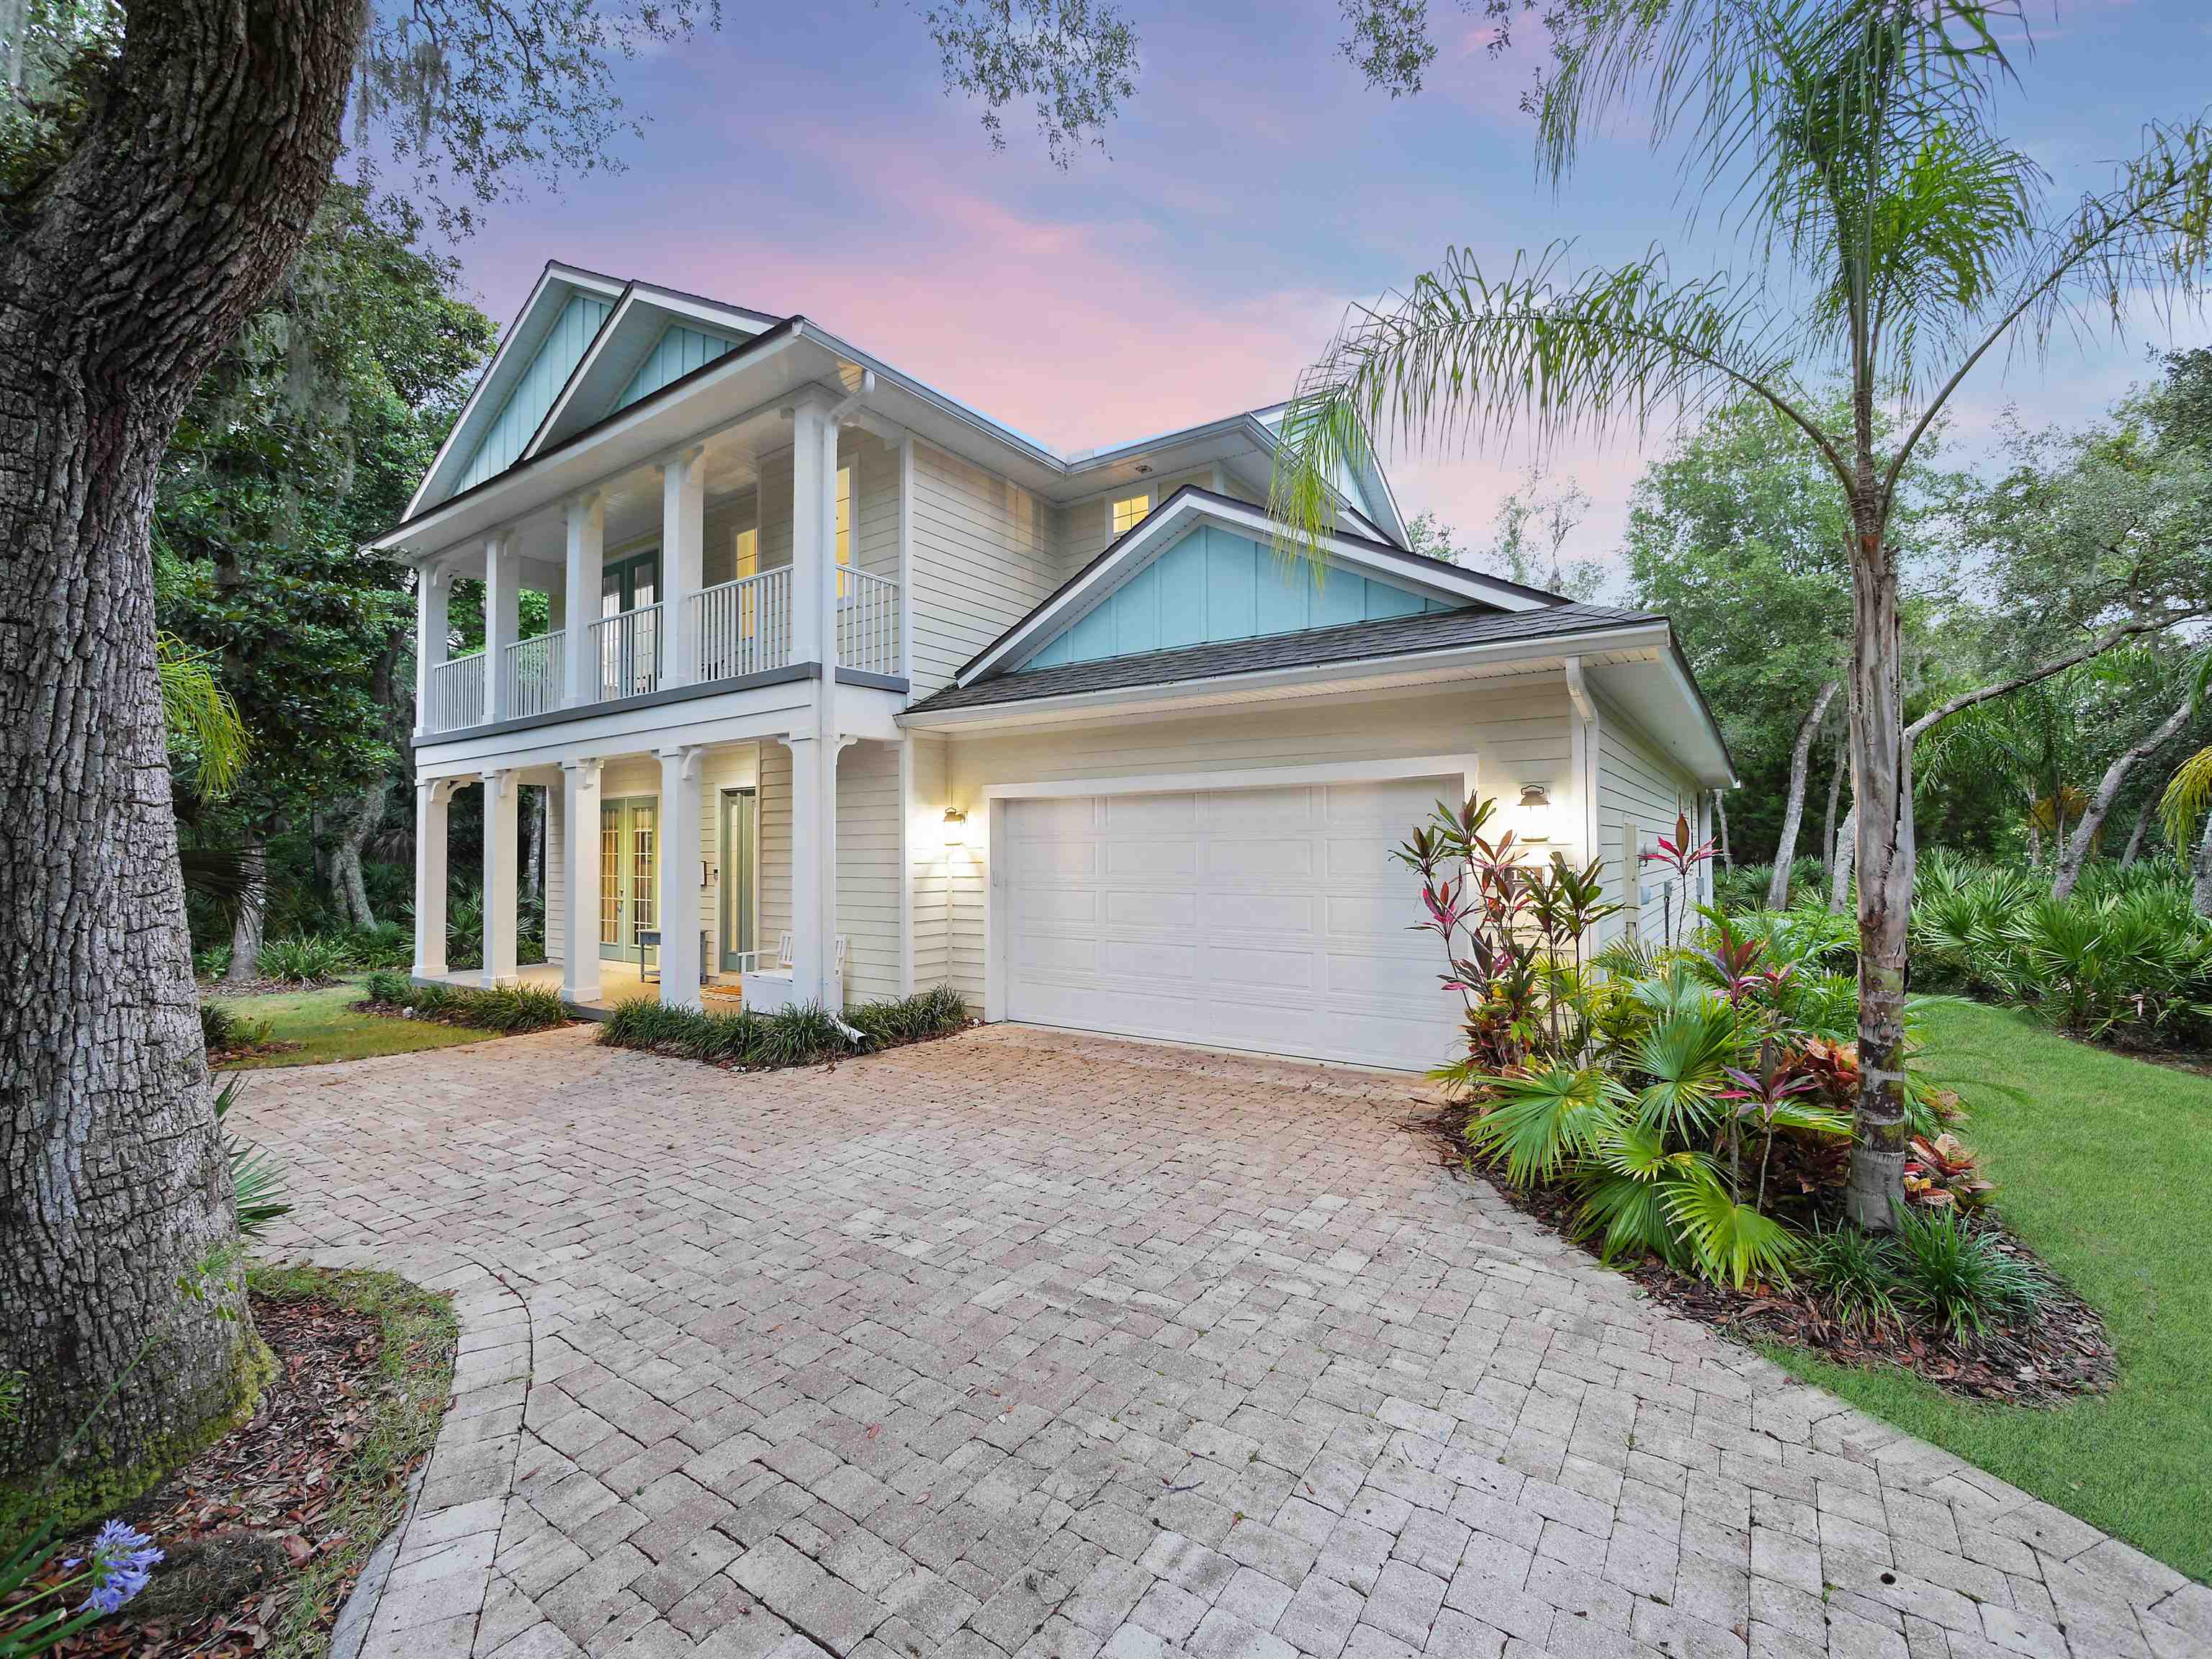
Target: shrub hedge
803,1035
505,1008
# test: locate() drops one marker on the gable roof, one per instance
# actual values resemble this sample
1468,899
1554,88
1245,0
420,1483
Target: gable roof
607,377
1191,506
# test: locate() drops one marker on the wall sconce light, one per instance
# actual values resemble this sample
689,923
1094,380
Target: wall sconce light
956,826
1535,813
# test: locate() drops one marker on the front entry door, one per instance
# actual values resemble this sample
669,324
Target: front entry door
628,868
740,835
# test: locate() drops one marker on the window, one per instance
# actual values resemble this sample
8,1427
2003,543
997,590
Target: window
844,530
744,560
1129,513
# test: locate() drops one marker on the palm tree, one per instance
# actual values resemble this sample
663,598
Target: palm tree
1893,241
2187,806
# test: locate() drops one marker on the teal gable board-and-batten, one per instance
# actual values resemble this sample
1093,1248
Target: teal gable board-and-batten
678,351
1214,585
559,352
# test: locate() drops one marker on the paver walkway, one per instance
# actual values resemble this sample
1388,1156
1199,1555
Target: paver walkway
1018,1344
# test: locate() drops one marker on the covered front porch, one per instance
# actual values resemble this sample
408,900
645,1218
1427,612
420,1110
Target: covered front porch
704,874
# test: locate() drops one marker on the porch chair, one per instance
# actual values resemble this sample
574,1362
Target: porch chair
767,989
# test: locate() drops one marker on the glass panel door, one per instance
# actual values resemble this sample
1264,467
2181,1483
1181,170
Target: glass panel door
628,871
740,833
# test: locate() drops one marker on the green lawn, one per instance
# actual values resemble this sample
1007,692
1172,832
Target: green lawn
326,1026
2104,1165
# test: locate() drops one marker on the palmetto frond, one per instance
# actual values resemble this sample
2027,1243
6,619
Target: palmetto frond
1686,1056
1733,1242
202,720
2187,797
1539,1121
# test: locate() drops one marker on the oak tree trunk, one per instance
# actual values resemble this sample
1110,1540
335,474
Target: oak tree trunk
1828,823
187,192
1793,812
2076,851
363,819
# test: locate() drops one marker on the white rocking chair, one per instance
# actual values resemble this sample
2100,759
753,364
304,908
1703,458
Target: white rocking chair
767,989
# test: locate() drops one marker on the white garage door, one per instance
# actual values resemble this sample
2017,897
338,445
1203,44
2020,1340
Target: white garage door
1266,919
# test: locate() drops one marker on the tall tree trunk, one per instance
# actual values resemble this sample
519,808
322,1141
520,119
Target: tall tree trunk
1883,850
1720,812
2135,835
1828,823
1785,849
363,819
2076,851
1840,867
186,193
249,921
2199,871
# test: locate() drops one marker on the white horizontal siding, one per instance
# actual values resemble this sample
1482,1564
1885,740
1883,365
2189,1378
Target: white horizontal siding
983,559
868,869
926,863
1640,795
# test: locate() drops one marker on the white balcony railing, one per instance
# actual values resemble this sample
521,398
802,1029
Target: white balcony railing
457,693
741,627
867,623
533,668
627,648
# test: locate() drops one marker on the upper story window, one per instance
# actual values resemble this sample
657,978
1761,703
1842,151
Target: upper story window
1130,512
745,556
844,529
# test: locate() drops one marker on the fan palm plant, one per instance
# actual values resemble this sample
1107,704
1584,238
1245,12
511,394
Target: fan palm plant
1896,240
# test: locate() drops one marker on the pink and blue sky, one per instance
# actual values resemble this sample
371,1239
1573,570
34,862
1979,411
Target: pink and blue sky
804,158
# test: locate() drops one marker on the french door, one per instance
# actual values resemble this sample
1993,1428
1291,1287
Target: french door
628,867
740,837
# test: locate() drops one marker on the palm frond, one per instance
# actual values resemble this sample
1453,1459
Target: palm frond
2187,797
202,722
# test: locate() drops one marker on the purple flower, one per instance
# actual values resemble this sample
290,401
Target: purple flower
123,1559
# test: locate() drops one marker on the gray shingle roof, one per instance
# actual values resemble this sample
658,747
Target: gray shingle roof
1436,630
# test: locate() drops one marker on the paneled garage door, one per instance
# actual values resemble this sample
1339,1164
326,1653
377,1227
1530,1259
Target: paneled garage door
1266,919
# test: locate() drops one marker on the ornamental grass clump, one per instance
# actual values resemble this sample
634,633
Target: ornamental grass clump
804,1035
1691,1097
507,1009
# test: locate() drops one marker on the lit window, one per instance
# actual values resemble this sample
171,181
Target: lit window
747,555
844,528
1129,513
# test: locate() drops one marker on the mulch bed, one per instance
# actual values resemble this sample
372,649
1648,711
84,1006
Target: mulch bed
240,1521
2062,1354
221,990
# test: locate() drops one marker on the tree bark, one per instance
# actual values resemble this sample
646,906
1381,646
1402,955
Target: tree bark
1793,813
1840,867
2076,851
533,846
186,193
363,820
249,923
1720,812
2199,871
1828,823
2135,835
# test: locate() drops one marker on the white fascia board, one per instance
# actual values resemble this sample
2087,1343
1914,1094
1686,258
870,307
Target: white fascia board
1469,662
1183,512
523,338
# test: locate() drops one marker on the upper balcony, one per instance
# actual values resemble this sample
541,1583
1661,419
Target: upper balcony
763,553
734,631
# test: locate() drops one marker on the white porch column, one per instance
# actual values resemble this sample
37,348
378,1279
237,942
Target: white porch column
430,815
587,539
682,554
502,858
679,909
502,620
579,816
813,532
814,869
433,590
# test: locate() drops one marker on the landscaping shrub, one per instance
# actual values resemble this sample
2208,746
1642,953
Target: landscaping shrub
211,962
224,1028
1958,1275
387,945
507,1009
1853,1274
800,1036
305,958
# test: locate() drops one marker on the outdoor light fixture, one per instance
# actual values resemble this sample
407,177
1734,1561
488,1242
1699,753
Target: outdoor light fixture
956,826
1535,813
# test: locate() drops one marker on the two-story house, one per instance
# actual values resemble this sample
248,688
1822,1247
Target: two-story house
850,690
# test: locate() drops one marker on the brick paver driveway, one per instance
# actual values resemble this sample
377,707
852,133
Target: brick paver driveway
1017,1344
